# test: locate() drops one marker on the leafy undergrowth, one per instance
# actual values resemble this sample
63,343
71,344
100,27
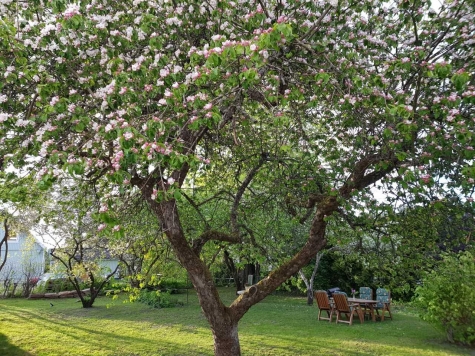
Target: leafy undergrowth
280,325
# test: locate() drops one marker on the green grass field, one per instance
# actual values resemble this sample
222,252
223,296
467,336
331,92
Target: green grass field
280,325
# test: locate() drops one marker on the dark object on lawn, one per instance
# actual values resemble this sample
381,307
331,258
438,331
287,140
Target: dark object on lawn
51,304
333,290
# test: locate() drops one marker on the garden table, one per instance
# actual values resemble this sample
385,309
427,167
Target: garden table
365,303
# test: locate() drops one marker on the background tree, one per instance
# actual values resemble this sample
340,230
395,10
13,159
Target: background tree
396,248
77,245
142,248
315,102
16,207
447,296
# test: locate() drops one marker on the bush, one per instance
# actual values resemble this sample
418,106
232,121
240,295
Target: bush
156,299
115,285
58,285
172,284
448,297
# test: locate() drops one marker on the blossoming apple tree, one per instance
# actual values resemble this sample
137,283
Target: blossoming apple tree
318,101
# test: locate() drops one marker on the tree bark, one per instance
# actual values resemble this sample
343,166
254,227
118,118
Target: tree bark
4,242
226,340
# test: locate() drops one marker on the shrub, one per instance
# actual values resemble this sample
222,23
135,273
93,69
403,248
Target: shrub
172,285
115,285
156,299
58,285
447,297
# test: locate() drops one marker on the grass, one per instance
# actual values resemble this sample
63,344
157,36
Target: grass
280,325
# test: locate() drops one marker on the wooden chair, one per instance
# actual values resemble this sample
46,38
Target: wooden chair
366,293
383,296
343,307
324,304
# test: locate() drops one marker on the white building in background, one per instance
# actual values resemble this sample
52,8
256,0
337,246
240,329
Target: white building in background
26,257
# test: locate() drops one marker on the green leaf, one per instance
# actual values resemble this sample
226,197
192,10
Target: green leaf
460,80
214,60
442,70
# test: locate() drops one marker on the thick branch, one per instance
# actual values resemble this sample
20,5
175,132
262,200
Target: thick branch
213,235
359,180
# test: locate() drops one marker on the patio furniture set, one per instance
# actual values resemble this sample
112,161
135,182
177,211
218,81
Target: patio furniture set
339,305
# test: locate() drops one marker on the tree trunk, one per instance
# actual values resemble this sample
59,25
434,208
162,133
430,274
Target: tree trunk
221,319
226,341
134,283
224,320
309,297
87,302
234,271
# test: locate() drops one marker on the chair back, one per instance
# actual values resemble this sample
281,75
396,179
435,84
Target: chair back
382,296
366,293
322,299
341,302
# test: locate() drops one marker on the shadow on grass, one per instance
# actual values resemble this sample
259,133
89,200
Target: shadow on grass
11,350
277,326
95,339
278,317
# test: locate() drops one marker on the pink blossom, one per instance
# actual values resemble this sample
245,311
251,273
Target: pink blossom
425,178
73,9
103,208
154,194
54,100
71,108
128,135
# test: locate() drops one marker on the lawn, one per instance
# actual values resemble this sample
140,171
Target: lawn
280,325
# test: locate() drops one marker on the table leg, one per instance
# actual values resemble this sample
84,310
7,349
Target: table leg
360,314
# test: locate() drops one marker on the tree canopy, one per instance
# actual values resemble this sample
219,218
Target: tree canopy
308,103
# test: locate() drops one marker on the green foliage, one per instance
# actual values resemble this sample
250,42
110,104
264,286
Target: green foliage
114,285
448,297
274,113
58,285
157,299
173,285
